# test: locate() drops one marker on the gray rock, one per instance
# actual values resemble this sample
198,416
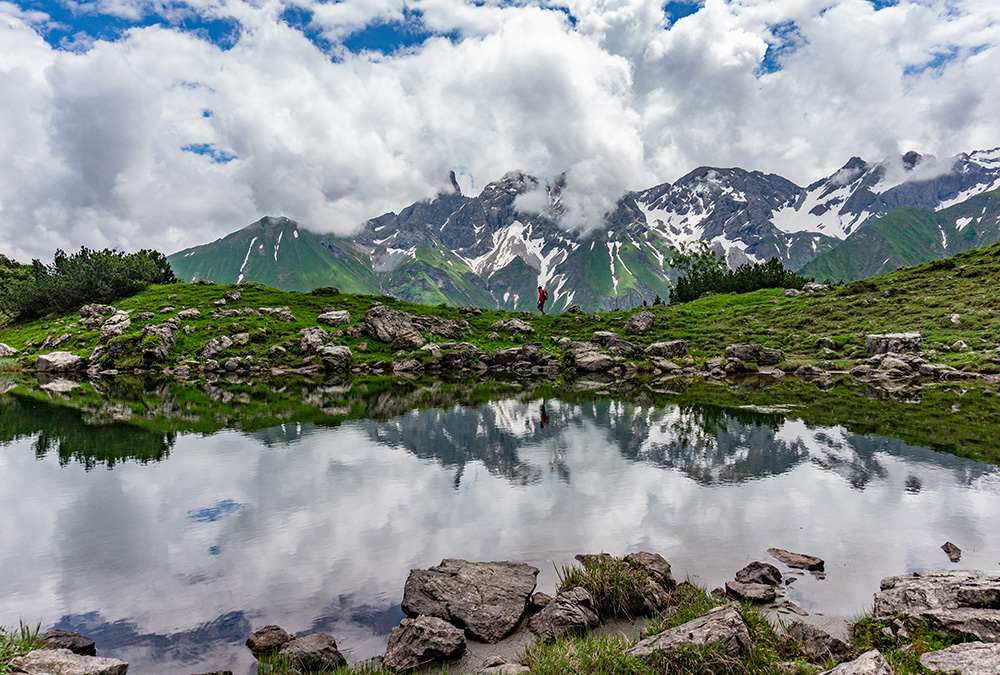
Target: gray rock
954,602
959,346
667,349
385,324
664,365
799,560
276,352
955,319
114,326
721,626
64,639
231,365
969,658
214,346
817,642
792,292
313,652
446,328
96,310
488,598
513,325
65,662
640,322
826,343
336,358
268,640
211,365
759,573
241,339
408,340
954,552
6,351
157,340
313,337
750,592
538,601
594,362
571,611
189,313
421,641
655,566
894,342
813,287
869,663
753,353
60,362
232,296
573,309
407,366
505,669
336,317
809,370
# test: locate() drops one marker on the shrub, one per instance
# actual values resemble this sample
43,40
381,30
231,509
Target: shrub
703,271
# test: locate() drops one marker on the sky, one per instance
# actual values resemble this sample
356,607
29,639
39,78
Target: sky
163,124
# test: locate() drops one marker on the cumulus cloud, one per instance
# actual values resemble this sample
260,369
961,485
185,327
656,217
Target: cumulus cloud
163,137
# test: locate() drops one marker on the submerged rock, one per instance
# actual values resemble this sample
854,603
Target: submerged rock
487,598
799,560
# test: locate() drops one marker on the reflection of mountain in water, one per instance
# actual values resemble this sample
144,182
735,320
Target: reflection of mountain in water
73,434
711,445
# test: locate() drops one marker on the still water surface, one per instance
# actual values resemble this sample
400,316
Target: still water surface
170,564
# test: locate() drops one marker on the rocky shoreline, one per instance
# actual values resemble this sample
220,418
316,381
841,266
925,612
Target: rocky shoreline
128,342
457,606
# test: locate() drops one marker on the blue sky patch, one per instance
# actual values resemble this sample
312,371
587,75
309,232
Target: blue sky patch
937,63
387,37
71,29
882,4
678,9
211,514
785,39
208,150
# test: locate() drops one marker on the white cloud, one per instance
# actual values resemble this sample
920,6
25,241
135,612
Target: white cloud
607,91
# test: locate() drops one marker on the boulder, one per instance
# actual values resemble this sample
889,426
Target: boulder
156,343
65,662
232,296
753,353
639,322
813,287
894,342
487,598
826,343
188,314
513,326
571,611
336,358
968,658
809,370
276,352
750,592
594,362
268,640
6,351
798,560
96,310
408,340
214,346
759,573
335,317
869,663
420,641
60,362
959,602
446,328
792,292
241,339
667,349
64,639
385,324
817,642
115,325
313,652
654,565
573,309
313,337
722,626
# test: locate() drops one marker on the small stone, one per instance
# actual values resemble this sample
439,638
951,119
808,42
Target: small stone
954,552
750,592
869,663
267,640
799,560
759,573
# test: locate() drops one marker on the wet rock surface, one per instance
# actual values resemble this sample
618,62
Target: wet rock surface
64,639
65,662
960,602
759,573
798,560
421,641
488,599
751,592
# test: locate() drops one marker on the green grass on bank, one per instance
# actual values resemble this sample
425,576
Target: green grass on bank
15,642
921,298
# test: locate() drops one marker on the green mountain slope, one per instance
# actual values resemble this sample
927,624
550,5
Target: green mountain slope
909,236
277,253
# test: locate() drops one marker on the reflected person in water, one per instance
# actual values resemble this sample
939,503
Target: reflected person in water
544,415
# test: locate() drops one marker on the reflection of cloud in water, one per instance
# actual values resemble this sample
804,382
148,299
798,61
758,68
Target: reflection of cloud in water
332,520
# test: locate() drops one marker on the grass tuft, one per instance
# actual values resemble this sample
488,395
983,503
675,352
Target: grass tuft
615,584
15,642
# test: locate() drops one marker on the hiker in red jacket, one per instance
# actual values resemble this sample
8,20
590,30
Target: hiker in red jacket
543,295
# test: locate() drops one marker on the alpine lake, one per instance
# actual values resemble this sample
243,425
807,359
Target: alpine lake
169,520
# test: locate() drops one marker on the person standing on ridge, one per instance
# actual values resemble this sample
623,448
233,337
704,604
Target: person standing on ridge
543,295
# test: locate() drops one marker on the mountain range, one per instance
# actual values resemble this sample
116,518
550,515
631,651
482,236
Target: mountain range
492,249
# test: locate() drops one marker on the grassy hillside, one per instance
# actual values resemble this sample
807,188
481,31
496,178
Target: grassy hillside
909,236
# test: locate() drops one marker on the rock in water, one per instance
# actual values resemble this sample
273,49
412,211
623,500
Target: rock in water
60,362
65,662
268,640
418,642
488,598
721,626
869,663
750,592
313,652
571,611
759,573
969,658
954,552
799,560
959,602
64,639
